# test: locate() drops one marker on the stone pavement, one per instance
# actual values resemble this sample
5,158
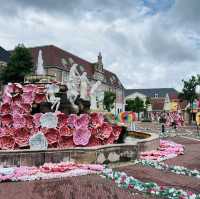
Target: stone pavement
95,187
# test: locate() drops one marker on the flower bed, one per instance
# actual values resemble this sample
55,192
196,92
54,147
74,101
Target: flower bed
129,182
171,168
47,171
167,149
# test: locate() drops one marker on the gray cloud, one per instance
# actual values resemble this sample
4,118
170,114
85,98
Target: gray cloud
156,50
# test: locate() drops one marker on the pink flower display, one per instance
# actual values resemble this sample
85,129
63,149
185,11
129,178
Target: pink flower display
39,98
64,142
5,108
6,120
105,132
52,135
71,120
22,136
81,136
26,107
17,99
7,142
28,97
7,98
29,121
36,119
82,121
96,119
19,121
17,109
65,131
62,119
29,88
116,131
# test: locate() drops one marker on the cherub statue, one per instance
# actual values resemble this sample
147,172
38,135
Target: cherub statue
93,95
73,85
84,86
50,95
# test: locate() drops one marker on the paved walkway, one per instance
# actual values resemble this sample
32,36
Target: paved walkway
95,187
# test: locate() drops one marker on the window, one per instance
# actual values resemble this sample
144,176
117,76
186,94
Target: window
156,95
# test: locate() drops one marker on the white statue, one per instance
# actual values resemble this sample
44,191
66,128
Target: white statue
93,95
84,86
73,85
40,68
51,90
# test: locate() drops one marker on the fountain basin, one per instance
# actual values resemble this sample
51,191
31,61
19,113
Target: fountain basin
104,154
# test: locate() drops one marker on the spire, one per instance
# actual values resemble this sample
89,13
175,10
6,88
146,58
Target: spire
100,59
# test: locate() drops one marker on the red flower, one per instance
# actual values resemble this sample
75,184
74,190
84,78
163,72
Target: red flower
6,120
62,119
52,136
96,119
26,107
7,142
29,88
39,98
116,131
29,121
22,136
17,99
28,97
65,131
19,121
17,109
5,108
65,142
36,119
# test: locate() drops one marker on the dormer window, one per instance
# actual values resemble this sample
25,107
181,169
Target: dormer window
156,95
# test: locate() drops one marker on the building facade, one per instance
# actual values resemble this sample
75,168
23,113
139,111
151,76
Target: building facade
161,99
57,62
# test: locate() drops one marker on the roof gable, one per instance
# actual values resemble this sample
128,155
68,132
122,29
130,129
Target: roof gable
152,91
56,57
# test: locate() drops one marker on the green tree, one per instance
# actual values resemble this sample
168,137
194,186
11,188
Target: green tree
136,105
20,64
189,93
109,99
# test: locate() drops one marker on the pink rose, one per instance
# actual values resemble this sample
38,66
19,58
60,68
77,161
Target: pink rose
28,97
65,142
6,120
96,119
65,131
19,121
62,119
7,142
5,108
22,136
71,120
82,121
52,136
81,136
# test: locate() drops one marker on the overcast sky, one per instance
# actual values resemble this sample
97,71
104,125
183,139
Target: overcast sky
147,43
